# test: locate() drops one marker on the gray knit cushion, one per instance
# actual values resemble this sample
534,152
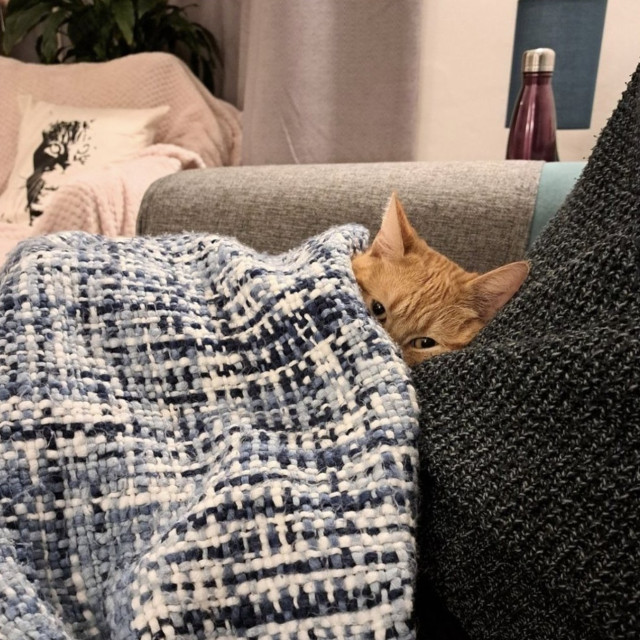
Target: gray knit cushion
530,451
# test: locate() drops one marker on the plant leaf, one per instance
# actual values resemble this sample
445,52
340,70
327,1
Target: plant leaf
85,32
18,23
207,77
21,5
209,42
146,6
125,18
48,52
105,29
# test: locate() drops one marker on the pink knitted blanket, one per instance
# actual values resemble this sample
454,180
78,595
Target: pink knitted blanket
199,130
196,120
104,201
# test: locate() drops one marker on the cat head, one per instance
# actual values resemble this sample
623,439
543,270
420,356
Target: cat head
426,302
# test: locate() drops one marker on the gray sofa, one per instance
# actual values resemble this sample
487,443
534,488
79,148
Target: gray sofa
481,214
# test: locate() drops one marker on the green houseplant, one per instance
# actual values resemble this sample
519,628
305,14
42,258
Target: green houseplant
99,30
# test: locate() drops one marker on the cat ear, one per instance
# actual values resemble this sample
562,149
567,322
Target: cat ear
492,290
396,234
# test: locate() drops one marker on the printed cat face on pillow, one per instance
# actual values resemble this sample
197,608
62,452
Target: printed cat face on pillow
426,302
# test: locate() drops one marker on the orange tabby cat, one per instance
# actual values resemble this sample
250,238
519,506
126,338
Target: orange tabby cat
426,302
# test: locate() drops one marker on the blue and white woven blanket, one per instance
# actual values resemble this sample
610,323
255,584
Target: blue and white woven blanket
198,441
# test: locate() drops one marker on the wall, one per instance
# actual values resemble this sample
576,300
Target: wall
466,57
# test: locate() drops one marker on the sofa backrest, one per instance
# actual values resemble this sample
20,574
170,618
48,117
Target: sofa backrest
477,213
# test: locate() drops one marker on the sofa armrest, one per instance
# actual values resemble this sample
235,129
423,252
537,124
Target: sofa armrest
556,181
477,213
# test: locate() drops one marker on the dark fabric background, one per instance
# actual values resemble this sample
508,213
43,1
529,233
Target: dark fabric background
530,437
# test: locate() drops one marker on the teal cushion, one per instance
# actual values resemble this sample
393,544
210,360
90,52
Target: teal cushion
556,181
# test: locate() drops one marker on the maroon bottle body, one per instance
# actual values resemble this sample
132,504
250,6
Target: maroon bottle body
532,134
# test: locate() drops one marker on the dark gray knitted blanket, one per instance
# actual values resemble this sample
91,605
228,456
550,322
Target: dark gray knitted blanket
198,441
530,438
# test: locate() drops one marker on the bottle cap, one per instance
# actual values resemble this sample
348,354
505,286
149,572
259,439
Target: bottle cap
538,60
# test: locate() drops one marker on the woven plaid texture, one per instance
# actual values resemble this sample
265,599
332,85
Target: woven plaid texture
199,441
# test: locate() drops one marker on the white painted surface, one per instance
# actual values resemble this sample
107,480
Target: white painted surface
466,62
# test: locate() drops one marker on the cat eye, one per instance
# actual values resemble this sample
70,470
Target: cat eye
377,308
423,343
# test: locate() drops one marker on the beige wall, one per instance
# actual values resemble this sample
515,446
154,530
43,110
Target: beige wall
466,62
